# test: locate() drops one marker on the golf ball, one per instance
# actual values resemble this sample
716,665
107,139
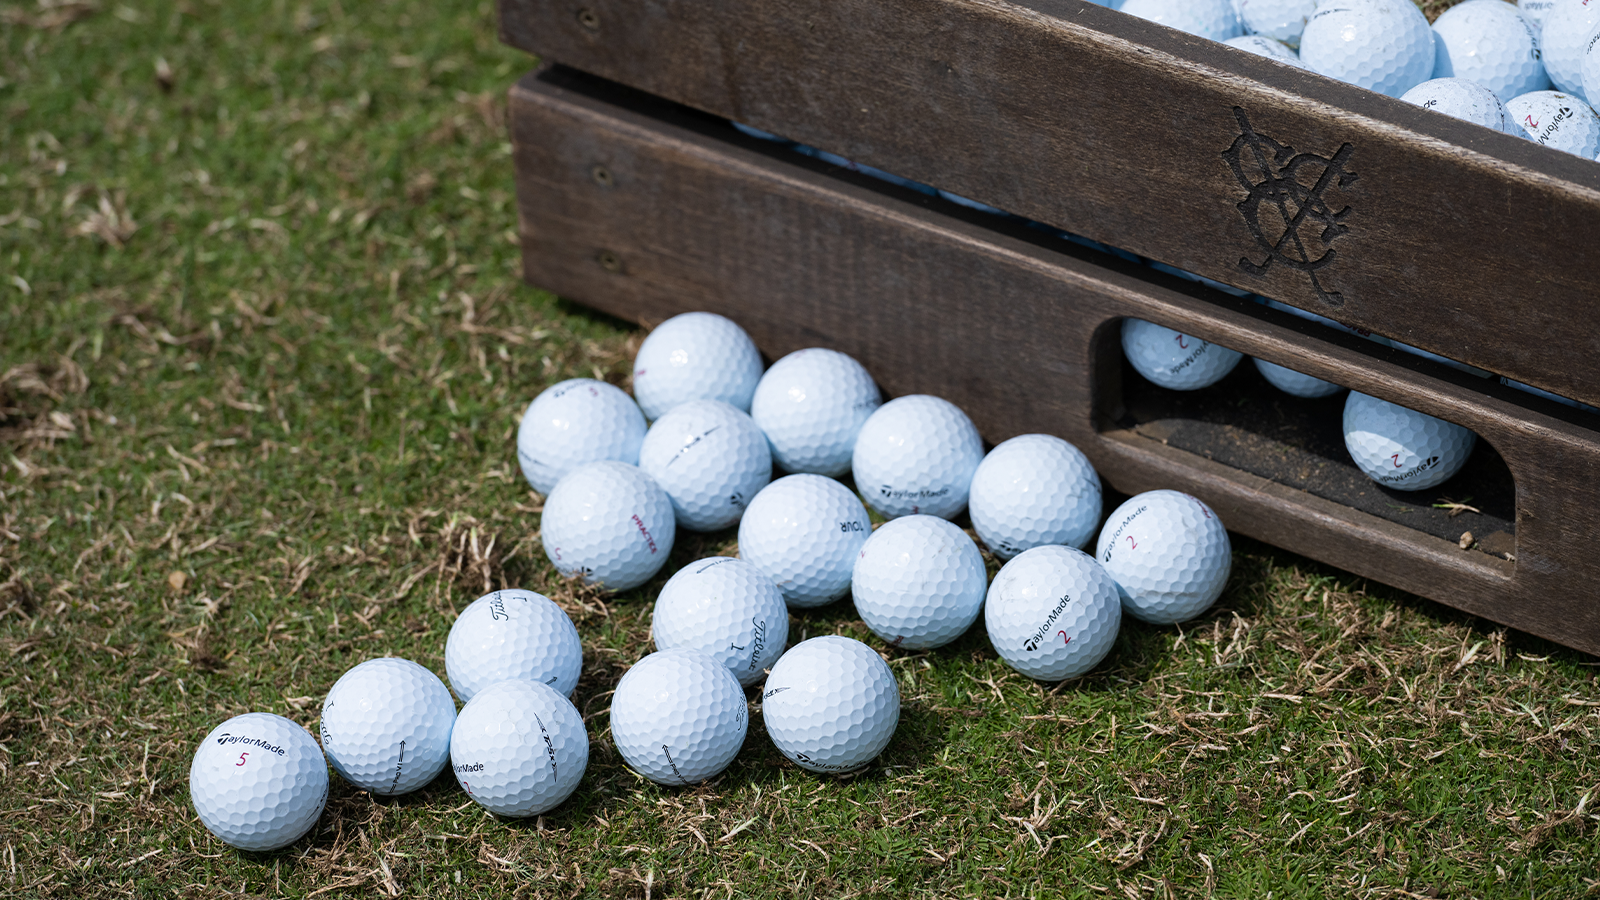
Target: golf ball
519,748
512,634
1558,120
1214,19
1297,383
831,704
1271,48
1173,359
1168,554
578,421
1401,448
695,356
1562,40
1281,20
1463,99
916,454
1492,44
1053,613
1589,65
1033,490
609,523
386,726
1381,45
258,782
710,458
803,532
678,717
919,582
727,609
811,405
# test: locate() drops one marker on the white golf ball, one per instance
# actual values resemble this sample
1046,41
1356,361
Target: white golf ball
678,717
386,726
258,782
1281,20
710,458
1033,490
1053,613
1401,448
1562,40
519,748
1173,359
1297,383
1168,554
803,532
811,405
1463,99
1535,10
916,454
609,523
1214,19
919,582
1489,42
695,356
1271,48
1381,45
1589,65
1557,120
512,634
727,609
578,421
831,704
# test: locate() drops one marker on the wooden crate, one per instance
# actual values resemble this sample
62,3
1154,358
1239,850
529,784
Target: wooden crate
643,208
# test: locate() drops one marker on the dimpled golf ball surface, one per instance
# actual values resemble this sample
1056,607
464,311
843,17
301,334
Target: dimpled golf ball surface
727,609
919,582
575,422
1033,490
1589,65
258,782
1401,448
519,748
1559,121
1382,45
1297,383
610,523
803,532
710,458
1281,20
1214,19
916,455
1463,100
386,726
695,356
1271,48
1562,40
678,717
811,405
1053,613
512,634
1168,554
1492,44
1173,359
831,704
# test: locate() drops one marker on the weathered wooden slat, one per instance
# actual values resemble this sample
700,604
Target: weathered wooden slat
645,210
1469,243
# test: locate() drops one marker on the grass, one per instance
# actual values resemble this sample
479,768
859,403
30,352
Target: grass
262,350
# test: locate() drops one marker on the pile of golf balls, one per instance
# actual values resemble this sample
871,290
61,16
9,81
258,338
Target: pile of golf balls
679,716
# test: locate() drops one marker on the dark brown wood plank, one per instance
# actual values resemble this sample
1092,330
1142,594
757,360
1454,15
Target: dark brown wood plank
1469,243
644,211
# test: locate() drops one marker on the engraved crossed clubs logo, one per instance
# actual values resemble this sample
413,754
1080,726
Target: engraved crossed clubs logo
1283,212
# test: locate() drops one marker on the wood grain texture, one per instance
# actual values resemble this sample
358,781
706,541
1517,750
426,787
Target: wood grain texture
1466,242
644,210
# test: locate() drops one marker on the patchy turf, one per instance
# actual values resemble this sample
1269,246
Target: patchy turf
262,351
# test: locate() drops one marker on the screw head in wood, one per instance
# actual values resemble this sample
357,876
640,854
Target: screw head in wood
602,176
609,260
589,19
